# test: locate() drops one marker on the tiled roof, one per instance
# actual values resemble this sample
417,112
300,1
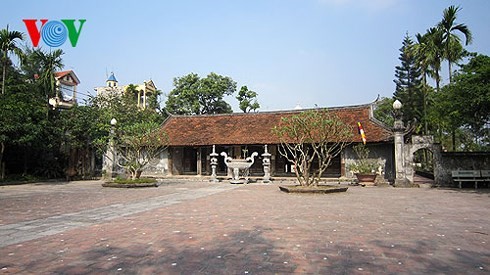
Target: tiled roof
61,74
65,73
255,128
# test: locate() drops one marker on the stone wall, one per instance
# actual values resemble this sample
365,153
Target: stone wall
157,167
382,152
460,161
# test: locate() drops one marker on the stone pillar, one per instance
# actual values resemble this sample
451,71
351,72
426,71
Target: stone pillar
214,164
266,162
400,177
400,150
110,157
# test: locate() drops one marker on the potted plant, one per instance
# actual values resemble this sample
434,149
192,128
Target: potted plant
364,168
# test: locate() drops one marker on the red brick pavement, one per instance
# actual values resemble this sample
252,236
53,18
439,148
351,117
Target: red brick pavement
256,229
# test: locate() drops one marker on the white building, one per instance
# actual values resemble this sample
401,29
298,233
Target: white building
142,91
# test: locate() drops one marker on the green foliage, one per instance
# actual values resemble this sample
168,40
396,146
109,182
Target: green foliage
429,53
465,104
8,44
384,111
193,95
247,100
408,83
363,165
311,136
48,63
38,139
452,48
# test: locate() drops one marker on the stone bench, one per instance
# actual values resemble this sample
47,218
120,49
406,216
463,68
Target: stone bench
475,176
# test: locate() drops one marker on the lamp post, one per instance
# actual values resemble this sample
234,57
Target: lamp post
113,153
398,129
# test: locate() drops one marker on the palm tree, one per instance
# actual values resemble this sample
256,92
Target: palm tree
428,51
49,64
8,45
453,51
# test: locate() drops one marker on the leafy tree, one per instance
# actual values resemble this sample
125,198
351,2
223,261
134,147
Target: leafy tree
464,105
193,95
408,83
384,111
452,48
8,41
22,119
308,137
247,100
137,139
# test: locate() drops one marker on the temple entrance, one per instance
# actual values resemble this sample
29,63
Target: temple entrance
423,165
421,156
189,161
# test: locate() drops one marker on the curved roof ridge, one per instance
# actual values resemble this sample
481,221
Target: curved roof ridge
286,111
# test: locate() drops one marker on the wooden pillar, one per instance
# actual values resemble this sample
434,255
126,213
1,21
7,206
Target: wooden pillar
199,162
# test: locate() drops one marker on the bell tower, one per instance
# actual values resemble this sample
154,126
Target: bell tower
111,81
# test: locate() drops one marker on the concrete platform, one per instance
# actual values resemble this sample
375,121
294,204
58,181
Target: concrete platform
189,227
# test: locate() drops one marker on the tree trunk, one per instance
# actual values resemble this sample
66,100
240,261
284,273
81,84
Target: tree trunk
4,73
453,139
450,73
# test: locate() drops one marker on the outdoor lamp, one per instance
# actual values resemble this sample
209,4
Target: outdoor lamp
397,105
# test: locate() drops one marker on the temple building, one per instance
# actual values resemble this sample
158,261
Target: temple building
240,134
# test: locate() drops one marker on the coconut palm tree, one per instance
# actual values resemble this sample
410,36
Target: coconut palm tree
453,50
8,40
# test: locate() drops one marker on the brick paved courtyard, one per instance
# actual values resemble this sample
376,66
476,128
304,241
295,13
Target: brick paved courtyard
189,227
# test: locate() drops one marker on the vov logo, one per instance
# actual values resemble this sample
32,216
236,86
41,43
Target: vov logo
54,33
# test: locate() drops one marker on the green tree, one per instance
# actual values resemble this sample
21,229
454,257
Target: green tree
408,83
384,111
8,44
193,95
49,64
453,50
22,119
429,54
309,137
464,105
247,100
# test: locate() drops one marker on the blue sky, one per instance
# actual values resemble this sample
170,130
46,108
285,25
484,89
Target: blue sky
306,52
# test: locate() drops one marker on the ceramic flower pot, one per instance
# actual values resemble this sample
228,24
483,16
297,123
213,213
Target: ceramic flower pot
366,179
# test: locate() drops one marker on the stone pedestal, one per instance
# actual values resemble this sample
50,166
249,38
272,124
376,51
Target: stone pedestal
266,163
214,164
